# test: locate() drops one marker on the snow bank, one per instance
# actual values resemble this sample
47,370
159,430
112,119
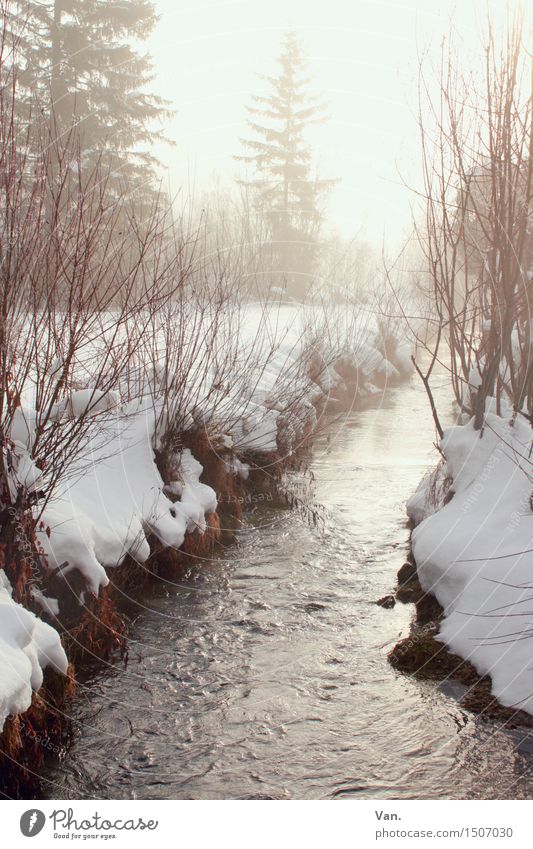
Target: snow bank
116,497
474,553
27,646
430,494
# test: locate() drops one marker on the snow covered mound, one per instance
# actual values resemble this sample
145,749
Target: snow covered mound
27,646
115,497
474,554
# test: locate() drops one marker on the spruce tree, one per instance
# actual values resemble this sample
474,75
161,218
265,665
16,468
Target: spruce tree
283,189
80,64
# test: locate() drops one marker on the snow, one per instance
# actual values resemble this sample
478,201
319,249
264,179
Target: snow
25,472
23,427
89,401
27,646
423,501
106,511
403,359
235,467
474,553
49,605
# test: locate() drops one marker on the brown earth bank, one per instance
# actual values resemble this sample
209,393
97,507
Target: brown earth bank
423,656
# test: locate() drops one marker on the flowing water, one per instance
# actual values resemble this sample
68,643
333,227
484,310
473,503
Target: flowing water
265,674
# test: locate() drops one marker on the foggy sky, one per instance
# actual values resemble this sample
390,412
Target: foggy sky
363,55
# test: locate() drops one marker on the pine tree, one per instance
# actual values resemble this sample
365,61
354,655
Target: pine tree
283,189
81,65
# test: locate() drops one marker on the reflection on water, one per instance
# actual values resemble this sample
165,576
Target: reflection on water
264,675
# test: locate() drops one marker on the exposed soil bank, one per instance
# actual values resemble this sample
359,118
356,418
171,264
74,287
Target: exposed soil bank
423,656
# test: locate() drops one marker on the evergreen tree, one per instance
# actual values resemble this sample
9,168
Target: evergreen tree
81,65
283,189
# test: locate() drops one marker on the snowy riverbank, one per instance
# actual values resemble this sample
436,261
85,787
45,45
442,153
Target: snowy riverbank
472,547
132,493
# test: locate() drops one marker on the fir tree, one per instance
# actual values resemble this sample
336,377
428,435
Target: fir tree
81,65
283,188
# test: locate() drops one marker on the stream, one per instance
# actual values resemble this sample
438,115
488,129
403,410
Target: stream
264,673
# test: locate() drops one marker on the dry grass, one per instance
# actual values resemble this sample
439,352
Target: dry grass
29,738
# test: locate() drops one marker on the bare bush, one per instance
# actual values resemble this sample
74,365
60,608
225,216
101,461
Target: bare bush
476,234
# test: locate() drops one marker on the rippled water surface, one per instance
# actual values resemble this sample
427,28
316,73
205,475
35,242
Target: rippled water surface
265,674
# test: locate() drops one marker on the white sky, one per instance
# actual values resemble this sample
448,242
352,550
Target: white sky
363,57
